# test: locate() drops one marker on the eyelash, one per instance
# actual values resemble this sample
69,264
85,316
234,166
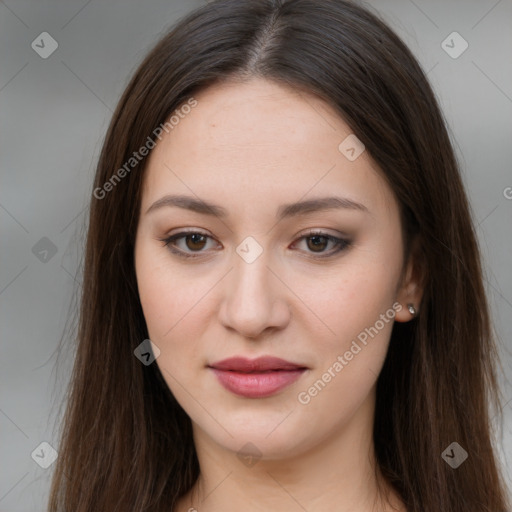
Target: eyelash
342,244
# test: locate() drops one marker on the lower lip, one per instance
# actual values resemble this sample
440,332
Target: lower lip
257,385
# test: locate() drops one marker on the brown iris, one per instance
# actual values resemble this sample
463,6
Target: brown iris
197,241
319,242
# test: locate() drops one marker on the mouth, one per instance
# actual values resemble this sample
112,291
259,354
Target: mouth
256,378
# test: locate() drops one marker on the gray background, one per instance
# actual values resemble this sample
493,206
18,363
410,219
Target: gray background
55,112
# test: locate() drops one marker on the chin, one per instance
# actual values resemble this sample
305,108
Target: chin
268,436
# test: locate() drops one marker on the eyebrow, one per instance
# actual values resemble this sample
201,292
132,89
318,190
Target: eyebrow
284,211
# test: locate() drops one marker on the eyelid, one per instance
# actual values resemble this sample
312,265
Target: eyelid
321,232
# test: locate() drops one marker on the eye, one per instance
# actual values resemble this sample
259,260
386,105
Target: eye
317,242
193,241
190,244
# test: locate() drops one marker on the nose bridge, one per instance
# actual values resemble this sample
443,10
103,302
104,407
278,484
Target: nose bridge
251,274
251,277
253,300
250,284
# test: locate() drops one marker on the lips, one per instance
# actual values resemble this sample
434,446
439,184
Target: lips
261,364
256,378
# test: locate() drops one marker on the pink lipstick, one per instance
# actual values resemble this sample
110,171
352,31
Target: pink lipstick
256,378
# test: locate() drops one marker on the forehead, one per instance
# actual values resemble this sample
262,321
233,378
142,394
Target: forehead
259,140
259,119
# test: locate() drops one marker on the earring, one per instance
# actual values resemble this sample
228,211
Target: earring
411,309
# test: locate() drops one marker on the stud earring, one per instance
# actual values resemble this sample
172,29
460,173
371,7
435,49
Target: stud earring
411,309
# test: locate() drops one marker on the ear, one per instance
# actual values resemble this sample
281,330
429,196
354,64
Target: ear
410,289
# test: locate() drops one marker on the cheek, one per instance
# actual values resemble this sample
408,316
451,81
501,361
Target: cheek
174,311
347,365
166,294
354,298
358,308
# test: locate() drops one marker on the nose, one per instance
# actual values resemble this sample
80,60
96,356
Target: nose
254,299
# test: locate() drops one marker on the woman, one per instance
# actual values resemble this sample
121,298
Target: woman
277,207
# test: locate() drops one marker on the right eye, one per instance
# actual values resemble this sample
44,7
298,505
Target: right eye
181,243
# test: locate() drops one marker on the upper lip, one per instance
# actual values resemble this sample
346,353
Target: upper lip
260,364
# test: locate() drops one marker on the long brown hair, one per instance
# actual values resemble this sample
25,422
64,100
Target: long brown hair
126,443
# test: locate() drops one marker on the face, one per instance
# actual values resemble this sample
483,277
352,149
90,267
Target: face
256,275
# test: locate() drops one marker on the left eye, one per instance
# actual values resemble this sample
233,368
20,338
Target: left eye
318,242
195,242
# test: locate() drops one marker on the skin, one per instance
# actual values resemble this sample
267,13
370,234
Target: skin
251,147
